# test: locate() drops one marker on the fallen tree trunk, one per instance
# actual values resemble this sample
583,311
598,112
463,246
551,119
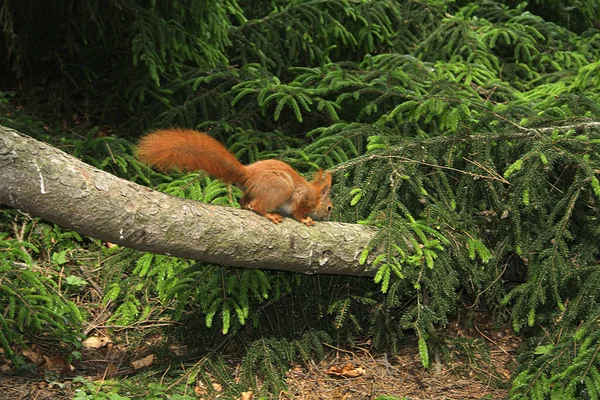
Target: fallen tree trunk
46,182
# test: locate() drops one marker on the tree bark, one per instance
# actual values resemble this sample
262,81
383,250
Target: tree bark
46,182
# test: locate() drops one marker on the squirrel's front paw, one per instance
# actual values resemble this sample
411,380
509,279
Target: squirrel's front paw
308,221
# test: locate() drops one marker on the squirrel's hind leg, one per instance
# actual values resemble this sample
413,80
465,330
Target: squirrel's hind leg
259,208
268,194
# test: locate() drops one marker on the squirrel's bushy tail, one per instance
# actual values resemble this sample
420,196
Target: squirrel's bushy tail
189,150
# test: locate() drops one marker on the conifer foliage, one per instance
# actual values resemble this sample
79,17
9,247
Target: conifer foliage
467,132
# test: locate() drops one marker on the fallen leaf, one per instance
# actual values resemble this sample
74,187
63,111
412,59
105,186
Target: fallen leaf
101,133
110,370
200,389
247,395
57,364
297,369
95,342
34,356
217,387
143,362
348,371
178,350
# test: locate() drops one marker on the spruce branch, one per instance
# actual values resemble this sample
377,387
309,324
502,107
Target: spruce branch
410,143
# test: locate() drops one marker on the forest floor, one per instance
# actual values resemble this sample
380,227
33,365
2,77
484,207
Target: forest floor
475,363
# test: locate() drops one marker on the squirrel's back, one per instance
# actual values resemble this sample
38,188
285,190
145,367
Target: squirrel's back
189,150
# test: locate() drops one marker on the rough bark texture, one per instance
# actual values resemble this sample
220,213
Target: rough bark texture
48,183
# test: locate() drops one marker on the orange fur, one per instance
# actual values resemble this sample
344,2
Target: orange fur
271,187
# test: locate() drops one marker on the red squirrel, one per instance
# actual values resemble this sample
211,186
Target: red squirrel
270,187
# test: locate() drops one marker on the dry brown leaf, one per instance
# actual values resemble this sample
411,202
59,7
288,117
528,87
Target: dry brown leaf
178,350
110,370
356,372
296,369
34,356
143,362
57,364
348,371
95,342
249,395
200,389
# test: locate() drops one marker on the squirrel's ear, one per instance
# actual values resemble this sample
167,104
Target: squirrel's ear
318,176
322,177
327,179
326,184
